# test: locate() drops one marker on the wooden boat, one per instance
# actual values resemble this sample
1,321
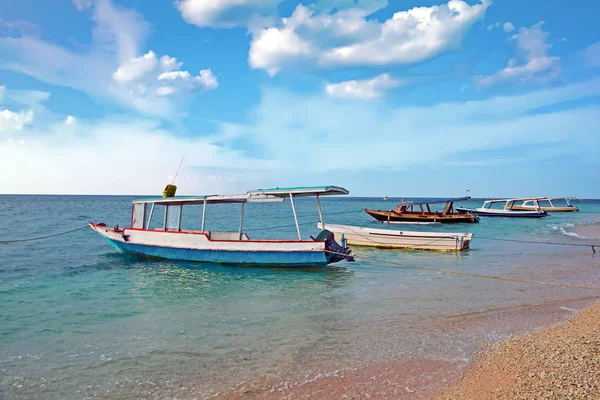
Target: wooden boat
546,204
406,212
504,208
171,242
394,239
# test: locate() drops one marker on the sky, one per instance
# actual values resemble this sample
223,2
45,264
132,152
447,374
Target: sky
384,97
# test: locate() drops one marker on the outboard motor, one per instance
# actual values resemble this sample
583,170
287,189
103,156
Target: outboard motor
336,252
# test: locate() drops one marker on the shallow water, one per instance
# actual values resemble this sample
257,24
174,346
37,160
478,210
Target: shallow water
79,320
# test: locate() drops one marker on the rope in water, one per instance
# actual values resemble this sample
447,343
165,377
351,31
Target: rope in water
445,271
43,237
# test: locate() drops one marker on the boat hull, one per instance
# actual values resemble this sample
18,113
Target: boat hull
392,216
384,238
196,246
502,213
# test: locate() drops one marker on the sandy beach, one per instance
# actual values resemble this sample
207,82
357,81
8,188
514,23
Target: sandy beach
560,362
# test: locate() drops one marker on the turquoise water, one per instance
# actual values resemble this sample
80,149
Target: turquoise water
79,320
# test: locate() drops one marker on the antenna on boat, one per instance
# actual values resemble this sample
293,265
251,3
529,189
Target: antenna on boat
178,168
171,188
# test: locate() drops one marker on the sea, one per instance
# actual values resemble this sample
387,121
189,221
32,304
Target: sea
80,320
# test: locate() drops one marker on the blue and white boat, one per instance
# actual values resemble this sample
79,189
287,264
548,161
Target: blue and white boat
170,241
506,208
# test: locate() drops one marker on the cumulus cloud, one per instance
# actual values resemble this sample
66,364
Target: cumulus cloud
224,13
508,27
162,77
14,121
532,62
136,67
113,66
349,38
362,88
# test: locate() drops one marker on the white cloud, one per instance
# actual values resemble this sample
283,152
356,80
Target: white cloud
136,67
112,68
562,39
279,127
532,63
224,13
362,88
591,55
70,120
81,5
52,159
347,37
145,76
508,27
14,121
491,27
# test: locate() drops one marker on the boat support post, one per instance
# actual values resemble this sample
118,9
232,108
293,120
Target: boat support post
165,220
320,211
179,223
150,217
241,221
203,214
295,217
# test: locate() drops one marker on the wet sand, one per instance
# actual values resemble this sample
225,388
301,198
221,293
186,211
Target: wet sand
570,346
560,362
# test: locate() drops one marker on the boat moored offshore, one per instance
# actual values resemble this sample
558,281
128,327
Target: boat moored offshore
170,241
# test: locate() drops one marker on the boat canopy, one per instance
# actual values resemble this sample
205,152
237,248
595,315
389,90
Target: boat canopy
208,199
417,202
301,191
513,200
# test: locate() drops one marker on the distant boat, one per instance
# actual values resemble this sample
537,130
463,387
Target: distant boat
546,204
170,241
488,209
394,239
406,212
385,198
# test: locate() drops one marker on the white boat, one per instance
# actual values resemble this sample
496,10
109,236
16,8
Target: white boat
388,238
505,208
553,204
170,241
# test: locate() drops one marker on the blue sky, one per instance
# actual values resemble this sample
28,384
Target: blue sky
397,98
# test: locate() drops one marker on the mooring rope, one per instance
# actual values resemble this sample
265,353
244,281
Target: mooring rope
445,271
44,237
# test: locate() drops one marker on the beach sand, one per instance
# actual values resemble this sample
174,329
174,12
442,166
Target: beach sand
560,362
588,231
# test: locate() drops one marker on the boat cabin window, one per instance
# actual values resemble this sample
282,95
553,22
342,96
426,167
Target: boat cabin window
172,217
138,215
495,206
544,203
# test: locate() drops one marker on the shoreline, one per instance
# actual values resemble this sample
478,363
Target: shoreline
426,377
557,362
586,231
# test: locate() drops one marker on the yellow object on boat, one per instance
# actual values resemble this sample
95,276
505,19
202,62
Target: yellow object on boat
169,191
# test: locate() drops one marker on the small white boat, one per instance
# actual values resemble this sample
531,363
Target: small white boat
388,238
554,204
170,241
385,198
505,208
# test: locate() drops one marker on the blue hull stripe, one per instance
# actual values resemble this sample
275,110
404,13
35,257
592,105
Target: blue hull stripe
296,258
